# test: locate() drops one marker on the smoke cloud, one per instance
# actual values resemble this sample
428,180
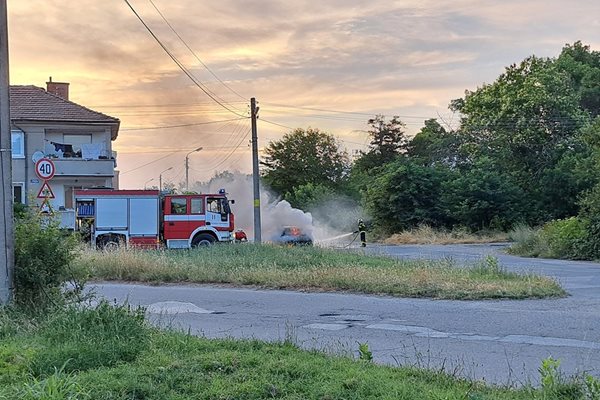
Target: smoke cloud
333,218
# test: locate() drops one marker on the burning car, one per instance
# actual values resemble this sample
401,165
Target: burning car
293,235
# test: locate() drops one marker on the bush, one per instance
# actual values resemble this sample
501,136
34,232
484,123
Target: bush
563,238
81,339
42,256
566,238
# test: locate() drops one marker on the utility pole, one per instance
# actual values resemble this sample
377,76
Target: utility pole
255,172
7,246
160,178
187,168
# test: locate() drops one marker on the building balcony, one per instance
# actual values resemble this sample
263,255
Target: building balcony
81,167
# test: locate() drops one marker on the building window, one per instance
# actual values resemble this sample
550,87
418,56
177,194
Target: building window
76,141
18,193
18,144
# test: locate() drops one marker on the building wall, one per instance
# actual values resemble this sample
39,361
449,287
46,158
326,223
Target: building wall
82,173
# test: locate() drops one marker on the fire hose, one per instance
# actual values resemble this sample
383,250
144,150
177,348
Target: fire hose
342,236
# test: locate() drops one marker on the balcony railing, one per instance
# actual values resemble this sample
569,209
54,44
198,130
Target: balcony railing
82,167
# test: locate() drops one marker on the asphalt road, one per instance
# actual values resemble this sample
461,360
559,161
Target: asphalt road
502,342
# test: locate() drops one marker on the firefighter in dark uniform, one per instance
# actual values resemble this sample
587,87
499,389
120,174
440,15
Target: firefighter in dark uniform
362,229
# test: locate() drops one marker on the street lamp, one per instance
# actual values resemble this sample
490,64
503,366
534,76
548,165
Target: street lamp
147,182
160,178
187,168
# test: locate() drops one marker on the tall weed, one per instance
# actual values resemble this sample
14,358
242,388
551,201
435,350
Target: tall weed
80,339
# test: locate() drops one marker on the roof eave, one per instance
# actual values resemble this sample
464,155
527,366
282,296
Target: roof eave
114,125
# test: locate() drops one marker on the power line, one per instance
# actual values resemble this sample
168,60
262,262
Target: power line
181,125
202,103
194,54
180,65
151,162
338,111
276,124
236,133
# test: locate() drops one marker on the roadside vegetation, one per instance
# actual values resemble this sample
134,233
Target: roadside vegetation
523,149
572,238
55,344
425,234
308,268
111,352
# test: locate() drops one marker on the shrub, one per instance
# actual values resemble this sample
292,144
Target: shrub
42,256
566,238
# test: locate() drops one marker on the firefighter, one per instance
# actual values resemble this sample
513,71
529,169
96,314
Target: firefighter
363,234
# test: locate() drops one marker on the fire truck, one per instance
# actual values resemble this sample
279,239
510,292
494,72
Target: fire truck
145,218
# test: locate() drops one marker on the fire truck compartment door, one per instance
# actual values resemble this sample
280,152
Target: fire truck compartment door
111,214
143,214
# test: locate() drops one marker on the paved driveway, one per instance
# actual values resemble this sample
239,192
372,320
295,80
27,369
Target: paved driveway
499,341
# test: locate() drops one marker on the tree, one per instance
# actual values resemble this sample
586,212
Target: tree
406,194
524,124
583,66
387,142
483,198
433,144
309,196
302,157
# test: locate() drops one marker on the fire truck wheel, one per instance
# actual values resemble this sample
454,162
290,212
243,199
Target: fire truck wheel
203,240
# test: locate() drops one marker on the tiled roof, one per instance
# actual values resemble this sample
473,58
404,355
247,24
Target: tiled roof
32,103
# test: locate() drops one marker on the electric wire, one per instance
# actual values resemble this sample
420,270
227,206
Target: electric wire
237,133
230,154
180,65
193,53
146,128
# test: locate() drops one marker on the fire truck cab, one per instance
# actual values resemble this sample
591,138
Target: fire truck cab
144,218
196,219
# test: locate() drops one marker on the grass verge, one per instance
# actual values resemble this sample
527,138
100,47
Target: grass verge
168,365
425,234
307,268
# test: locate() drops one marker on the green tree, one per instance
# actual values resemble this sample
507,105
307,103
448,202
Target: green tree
302,157
387,141
308,196
483,198
433,144
583,66
528,125
406,194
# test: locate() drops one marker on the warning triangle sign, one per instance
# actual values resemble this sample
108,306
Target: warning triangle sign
45,192
46,208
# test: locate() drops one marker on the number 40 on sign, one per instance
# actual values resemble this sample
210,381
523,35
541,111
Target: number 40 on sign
45,169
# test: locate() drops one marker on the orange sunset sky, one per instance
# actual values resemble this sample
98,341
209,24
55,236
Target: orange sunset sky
298,58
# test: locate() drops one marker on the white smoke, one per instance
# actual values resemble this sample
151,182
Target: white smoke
334,218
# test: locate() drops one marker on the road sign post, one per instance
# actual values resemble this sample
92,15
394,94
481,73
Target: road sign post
45,170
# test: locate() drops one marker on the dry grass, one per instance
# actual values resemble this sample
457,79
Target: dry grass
425,234
317,269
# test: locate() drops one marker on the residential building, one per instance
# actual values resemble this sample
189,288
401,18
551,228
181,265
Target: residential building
45,123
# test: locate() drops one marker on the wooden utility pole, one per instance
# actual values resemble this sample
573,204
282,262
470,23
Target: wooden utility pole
255,172
7,250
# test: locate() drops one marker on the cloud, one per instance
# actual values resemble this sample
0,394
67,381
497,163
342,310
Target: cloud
404,57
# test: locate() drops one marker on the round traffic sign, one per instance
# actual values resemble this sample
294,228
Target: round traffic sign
45,169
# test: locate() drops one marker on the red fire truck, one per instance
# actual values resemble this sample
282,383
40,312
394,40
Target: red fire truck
145,218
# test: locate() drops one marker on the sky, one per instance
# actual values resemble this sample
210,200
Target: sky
329,64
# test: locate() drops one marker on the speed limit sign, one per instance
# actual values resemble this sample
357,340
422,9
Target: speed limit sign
45,169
